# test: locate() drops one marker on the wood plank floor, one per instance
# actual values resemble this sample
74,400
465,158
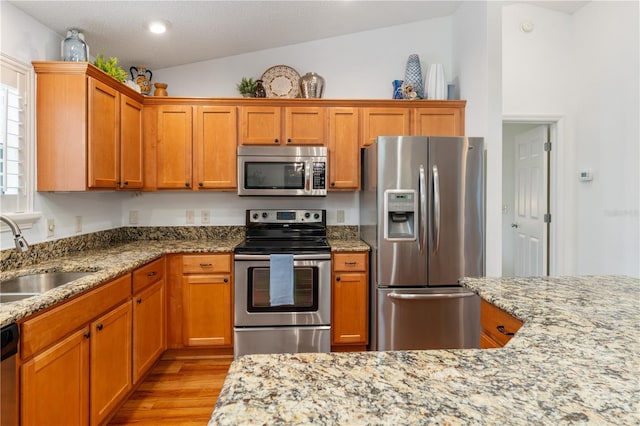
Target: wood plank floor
177,392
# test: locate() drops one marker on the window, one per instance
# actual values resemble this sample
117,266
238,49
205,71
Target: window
16,140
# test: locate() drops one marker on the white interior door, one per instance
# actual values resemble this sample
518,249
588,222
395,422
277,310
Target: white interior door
530,202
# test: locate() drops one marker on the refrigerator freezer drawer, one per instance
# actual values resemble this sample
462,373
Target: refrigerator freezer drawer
435,318
270,340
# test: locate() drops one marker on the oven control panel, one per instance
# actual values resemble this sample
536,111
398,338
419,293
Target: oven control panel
286,216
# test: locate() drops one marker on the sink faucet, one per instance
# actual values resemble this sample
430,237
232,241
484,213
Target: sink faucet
21,243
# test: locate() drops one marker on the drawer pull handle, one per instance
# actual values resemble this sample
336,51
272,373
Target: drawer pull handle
100,327
206,265
503,331
139,300
351,263
152,274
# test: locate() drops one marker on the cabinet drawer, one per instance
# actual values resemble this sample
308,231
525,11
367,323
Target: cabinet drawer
350,262
494,319
206,263
49,327
148,274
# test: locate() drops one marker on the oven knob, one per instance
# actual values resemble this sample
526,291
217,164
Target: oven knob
264,215
255,215
316,216
307,215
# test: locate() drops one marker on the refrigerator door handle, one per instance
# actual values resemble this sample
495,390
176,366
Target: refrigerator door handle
422,189
436,210
430,296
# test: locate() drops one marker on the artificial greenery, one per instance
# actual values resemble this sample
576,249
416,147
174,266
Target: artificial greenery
111,67
247,86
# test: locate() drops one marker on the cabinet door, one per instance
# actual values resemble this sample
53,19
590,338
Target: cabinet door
55,384
215,147
110,361
173,148
384,122
207,314
304,126
438,122
103,141
131,169
260,125
344,149
148,328
350,308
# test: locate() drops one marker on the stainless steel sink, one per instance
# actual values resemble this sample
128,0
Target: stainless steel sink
30,285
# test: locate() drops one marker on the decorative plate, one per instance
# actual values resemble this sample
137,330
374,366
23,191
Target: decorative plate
281,81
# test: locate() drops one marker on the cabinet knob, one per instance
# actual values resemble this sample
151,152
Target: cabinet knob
503,331
187,184
152,274
226,280
126,182
139,300
276,141
337,278
289,140
100,327
333,184
87,334
200,184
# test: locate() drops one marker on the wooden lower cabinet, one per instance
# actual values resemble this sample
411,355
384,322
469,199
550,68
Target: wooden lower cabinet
110,363
200,301
350,302
54,384
497,326
148,328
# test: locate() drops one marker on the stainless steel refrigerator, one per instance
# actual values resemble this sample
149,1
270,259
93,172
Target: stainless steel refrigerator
422,213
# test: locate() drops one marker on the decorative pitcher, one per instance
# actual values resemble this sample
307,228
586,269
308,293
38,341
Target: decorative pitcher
139,75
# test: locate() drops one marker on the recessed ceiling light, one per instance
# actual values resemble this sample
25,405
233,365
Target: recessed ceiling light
158,27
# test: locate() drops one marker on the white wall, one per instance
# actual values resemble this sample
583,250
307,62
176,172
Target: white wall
26,40
360,65
584,68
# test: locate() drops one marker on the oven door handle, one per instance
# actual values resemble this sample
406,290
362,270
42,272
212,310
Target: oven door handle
319,256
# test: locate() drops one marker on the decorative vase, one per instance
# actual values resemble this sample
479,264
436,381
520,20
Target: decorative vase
397,89
413,75
437,84
74,48
161,89
139,75
260,92
311,85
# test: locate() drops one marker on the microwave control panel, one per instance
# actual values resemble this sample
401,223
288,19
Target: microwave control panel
319,175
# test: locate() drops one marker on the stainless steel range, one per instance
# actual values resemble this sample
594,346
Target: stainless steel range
262,324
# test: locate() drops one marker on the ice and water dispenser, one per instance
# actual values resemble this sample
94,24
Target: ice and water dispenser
400,214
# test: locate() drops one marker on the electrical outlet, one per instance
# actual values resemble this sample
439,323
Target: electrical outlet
340,216
191,217
78,223
205,216
133,217
51,227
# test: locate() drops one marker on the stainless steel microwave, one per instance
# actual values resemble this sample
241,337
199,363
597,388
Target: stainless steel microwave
282,171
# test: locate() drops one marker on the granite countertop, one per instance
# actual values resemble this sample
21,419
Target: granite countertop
120,258
575,360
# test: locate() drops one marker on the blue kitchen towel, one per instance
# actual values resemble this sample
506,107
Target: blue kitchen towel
281,279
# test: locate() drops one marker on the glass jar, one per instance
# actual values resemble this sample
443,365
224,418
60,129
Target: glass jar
73,47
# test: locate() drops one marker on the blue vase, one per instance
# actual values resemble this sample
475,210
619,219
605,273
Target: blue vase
397,89
413,75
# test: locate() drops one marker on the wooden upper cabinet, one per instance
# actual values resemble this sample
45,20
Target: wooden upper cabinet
131,148
260,125
344,149
174,147
384,122
275,125
215,148
78,119
304,126
438,122
103,139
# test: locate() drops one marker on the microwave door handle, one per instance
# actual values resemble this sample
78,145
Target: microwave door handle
307,176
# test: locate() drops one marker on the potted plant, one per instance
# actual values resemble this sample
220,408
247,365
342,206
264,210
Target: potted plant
247,87
111,67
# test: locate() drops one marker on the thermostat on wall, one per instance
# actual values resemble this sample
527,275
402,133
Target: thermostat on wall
585,175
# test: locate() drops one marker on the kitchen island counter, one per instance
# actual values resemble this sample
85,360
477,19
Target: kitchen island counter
575,360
